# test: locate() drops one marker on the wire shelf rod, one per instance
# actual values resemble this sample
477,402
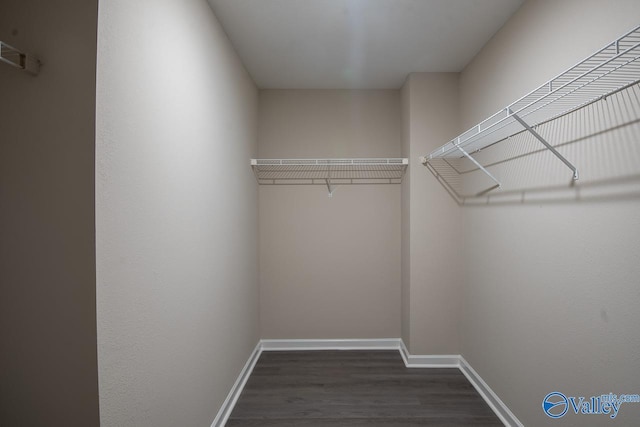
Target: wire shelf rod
329,172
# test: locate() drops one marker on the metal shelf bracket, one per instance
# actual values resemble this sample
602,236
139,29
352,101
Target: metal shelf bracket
475,162
545,143
12,56
330,188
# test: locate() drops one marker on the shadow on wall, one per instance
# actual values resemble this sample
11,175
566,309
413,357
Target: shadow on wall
601,139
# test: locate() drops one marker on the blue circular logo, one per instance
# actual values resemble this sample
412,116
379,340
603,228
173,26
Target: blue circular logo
555,404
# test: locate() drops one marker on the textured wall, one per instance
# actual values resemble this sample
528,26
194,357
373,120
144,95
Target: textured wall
48,363
432,279
176,219
551,299
329,267
405,237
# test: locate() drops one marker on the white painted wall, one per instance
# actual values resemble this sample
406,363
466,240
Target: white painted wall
432,221
405,213
329,267
48,360
176,204
551,298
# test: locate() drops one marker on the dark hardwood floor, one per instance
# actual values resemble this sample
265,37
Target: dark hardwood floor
356,388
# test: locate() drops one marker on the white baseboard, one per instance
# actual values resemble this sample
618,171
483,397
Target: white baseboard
234,394
411,361
332,344
428,361
489,396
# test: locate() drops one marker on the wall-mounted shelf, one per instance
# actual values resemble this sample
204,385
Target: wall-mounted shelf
611,69
12,56
329,172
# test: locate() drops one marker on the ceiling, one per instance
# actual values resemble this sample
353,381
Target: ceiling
357,44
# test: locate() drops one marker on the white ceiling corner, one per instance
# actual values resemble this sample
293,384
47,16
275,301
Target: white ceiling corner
357,44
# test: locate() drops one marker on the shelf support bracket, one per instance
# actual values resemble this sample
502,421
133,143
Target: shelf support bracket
331,188
475,162
546,144
12,56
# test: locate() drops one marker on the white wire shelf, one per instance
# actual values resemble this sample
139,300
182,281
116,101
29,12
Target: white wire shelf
611,69
12,56
329,172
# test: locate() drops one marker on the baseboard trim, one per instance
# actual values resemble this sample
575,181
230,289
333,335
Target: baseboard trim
428,361
411,361
331,344
495,403
236,389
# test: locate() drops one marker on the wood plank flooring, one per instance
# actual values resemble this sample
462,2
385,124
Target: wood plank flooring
355,388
